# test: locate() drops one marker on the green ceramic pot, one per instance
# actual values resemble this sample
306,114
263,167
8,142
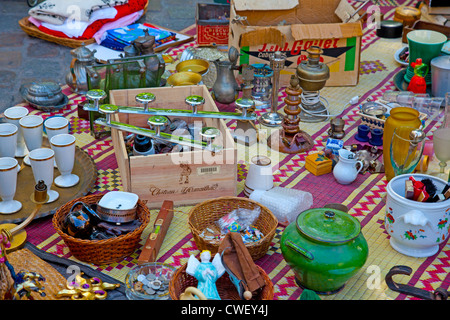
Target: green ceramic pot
325,248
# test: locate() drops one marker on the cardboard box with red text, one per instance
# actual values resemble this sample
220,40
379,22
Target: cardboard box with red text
212,21
292,26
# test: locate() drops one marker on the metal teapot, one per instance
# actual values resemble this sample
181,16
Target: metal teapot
226,89
76,79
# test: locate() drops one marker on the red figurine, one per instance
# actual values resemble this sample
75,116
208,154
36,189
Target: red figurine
417,83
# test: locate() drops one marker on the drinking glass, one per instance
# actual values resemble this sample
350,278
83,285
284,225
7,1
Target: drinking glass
64,147
431,106
446,120
405,152
8,184
41,160
441,145
32,129
13,116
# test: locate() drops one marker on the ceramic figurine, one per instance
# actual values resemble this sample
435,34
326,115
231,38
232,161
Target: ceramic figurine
418,83
206,272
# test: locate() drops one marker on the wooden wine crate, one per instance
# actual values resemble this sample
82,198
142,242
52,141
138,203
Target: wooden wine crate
186,178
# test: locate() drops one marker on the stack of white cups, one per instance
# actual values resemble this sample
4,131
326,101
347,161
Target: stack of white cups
22,136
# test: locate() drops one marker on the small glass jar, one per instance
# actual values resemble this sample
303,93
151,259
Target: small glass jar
149,281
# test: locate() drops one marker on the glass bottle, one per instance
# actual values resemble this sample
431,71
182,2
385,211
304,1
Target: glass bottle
399,117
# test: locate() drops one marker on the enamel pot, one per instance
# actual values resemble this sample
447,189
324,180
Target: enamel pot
324,247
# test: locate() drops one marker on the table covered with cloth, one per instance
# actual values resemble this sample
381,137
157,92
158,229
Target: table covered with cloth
365,197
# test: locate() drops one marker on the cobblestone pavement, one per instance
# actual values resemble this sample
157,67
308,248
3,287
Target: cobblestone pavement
25,59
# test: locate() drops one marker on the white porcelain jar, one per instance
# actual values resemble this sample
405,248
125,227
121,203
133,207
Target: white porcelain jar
416,228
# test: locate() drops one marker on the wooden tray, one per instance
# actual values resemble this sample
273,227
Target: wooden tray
84,167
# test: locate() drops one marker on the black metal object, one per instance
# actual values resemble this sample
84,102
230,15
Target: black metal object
438,294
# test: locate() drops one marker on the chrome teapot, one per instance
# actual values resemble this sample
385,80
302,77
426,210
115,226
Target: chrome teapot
76,79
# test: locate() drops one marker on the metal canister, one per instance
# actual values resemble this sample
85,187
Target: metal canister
440,72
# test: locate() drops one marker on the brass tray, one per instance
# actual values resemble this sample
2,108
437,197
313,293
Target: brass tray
84,167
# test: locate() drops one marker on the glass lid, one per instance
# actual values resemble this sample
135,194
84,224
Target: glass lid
328,225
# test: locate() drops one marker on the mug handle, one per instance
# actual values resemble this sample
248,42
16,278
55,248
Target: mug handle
361,165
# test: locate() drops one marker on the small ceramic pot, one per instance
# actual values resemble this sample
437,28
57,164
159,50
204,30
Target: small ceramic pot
416,228
325,248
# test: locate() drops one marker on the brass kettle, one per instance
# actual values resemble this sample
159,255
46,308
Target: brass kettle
312,73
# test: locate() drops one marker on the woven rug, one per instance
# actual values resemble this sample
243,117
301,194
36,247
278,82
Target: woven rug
364,197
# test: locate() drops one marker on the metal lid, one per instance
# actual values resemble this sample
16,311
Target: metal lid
328,225
44,89
83,54
441,62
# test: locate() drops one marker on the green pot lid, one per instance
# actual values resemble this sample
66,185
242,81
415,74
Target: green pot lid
328,225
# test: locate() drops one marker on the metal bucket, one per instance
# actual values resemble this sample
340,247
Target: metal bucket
440,71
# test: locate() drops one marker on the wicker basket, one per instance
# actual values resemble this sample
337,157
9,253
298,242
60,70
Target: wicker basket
206,213
227,291
101,251
34,31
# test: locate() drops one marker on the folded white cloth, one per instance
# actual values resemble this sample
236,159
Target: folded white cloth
58,11
75,28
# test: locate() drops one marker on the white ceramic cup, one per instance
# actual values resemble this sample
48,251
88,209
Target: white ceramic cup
259,176
416,228
32,129
8,139
13,115
64,147
41,160
8,184
56,125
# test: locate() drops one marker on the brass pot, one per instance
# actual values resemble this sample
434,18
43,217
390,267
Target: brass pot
312,73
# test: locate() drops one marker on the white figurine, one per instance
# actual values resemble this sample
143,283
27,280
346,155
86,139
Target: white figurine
206,272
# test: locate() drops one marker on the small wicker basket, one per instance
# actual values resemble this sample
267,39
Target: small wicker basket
206,213
34,31
101,251
227,291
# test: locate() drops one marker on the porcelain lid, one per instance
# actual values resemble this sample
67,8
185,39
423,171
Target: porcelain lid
328,225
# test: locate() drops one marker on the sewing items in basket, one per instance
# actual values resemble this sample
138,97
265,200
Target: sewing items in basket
112,216
425,190
239,220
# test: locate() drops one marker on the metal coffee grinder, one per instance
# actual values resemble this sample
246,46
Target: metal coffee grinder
313,75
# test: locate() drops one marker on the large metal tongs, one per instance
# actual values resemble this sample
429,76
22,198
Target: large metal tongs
145,98
438,294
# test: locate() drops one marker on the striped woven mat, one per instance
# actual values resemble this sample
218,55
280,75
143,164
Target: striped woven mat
364,197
